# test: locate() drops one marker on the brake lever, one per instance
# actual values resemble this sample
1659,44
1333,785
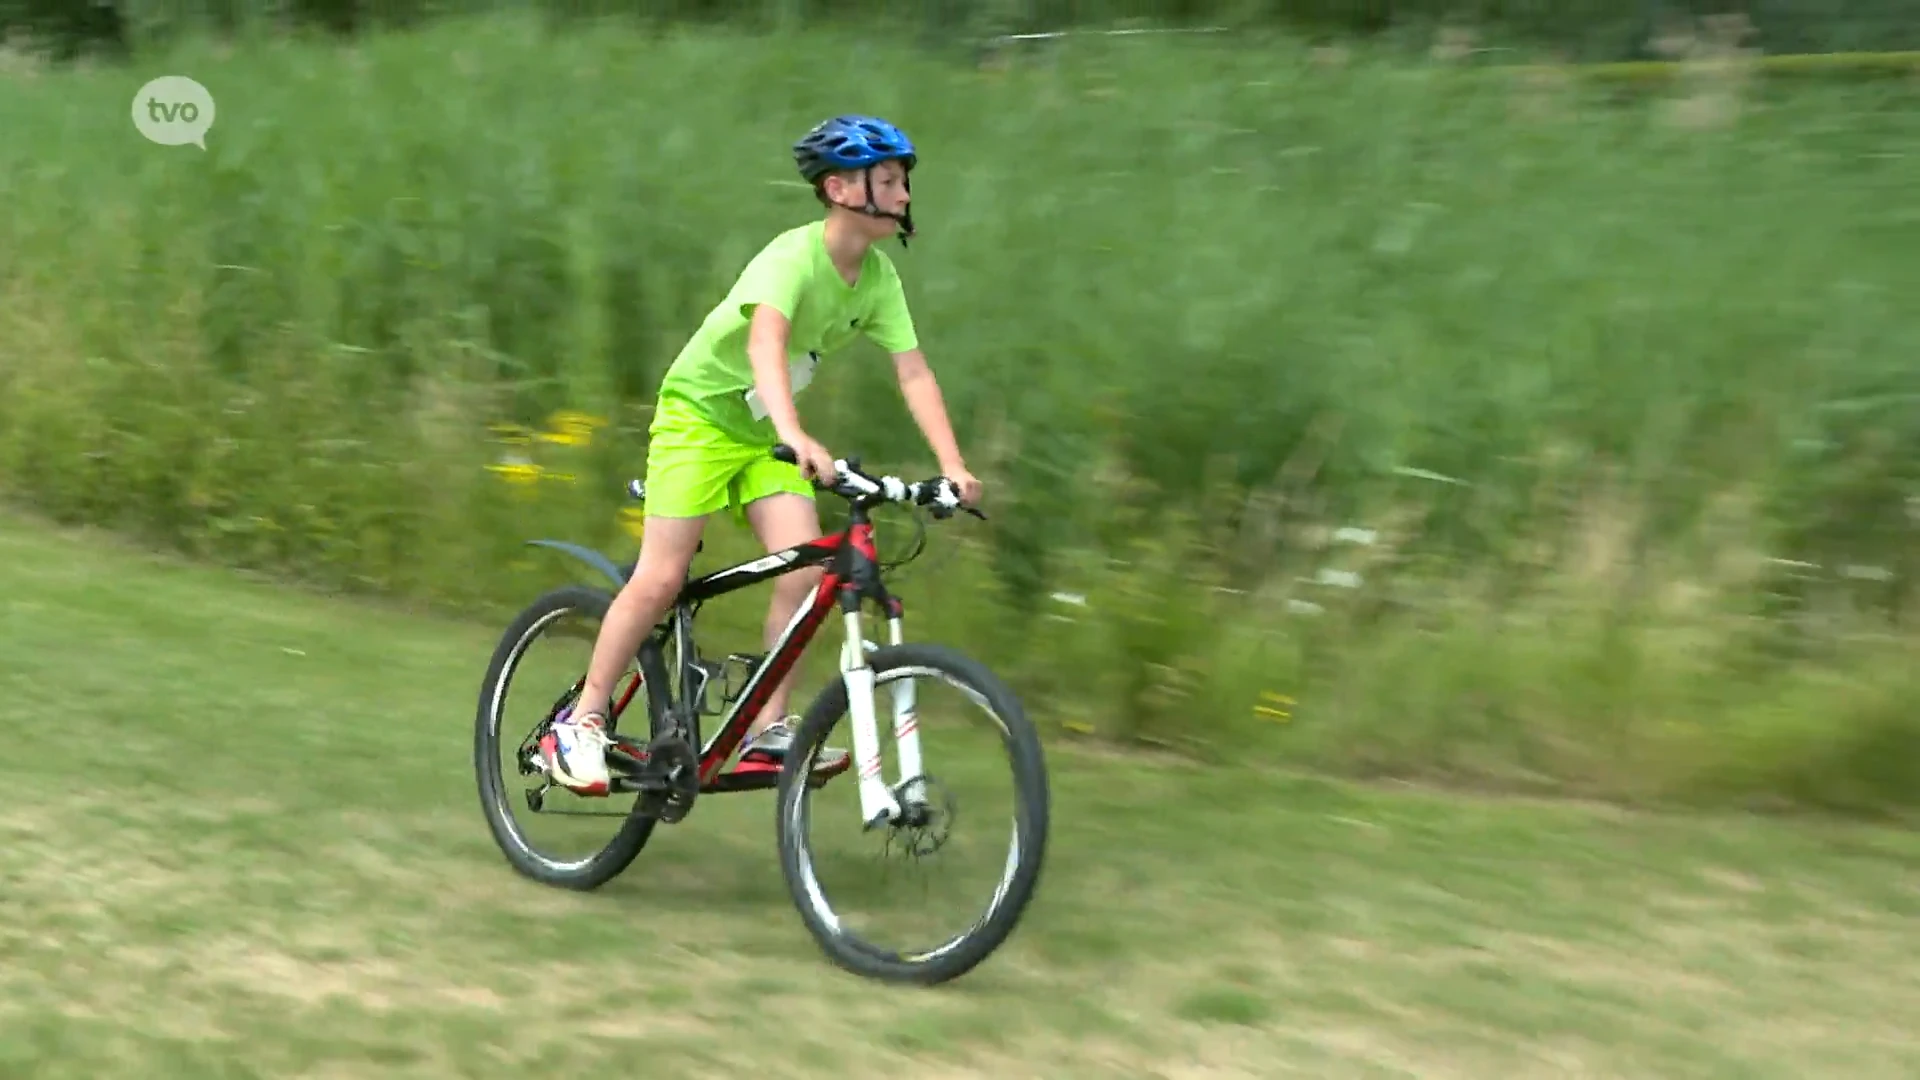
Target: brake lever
944,512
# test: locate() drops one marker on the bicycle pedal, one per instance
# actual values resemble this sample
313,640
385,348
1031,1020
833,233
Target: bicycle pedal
823,773
734,780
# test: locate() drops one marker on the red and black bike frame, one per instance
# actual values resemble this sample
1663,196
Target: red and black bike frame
852,577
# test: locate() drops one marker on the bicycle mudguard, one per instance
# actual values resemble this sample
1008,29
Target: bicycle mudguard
589,556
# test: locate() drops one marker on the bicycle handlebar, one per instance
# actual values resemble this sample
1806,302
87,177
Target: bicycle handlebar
851,483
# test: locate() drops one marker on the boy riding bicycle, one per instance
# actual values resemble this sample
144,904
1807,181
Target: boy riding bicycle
727,400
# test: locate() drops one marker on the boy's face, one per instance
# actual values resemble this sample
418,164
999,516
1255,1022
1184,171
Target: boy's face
849,189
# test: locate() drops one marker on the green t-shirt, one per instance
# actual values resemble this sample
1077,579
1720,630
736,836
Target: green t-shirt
794,274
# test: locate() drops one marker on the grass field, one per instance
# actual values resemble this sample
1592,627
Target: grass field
244,842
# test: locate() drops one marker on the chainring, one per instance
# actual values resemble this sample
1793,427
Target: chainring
670,779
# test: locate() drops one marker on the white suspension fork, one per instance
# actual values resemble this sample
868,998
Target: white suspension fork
906,725
877,804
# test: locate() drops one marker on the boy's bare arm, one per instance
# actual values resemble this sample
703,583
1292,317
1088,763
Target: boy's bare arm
767,349
767,334
929,409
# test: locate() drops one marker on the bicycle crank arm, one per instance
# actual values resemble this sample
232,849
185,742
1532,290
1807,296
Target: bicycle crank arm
620,784
667,778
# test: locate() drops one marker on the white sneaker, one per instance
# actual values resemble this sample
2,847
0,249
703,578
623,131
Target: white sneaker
575,752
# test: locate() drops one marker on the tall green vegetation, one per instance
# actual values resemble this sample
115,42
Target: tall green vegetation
1582,29
1511,428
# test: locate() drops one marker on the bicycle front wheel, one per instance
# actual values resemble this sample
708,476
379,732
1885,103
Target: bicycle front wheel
973,729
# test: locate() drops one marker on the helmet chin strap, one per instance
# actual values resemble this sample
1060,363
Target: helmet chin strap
871,210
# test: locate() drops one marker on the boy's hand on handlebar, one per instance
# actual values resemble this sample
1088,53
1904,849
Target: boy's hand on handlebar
814,461
965,484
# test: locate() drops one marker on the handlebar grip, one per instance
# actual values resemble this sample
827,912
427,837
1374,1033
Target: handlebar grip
783,452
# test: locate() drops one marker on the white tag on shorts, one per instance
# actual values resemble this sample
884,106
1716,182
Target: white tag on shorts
799,374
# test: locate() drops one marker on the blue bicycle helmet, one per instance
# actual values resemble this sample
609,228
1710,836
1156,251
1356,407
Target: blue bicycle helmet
857,142
851,142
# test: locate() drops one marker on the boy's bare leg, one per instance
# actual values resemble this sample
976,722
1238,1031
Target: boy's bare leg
576,751
782,521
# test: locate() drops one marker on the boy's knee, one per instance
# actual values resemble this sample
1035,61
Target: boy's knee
657,577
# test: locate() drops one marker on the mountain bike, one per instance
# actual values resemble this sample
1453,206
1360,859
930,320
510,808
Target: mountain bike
668,764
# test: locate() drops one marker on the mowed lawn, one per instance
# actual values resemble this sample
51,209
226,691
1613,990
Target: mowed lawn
241,839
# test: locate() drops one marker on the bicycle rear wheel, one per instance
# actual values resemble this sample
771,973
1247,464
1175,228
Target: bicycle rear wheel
501,745
1009,739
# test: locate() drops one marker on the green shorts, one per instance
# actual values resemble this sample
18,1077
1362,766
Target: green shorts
694,469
